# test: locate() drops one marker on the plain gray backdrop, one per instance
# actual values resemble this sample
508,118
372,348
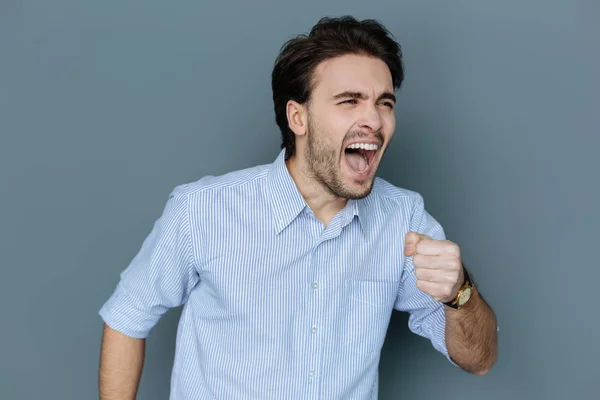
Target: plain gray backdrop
105,106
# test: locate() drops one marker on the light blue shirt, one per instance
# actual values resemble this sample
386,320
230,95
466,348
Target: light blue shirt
275,306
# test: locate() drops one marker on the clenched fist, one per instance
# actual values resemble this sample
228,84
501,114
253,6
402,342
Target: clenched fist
438,265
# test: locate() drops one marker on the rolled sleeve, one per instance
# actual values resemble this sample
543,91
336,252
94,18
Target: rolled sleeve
160,276
427,317
120,313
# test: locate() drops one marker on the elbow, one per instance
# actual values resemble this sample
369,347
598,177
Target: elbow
479,363
484,367
488,359
478,368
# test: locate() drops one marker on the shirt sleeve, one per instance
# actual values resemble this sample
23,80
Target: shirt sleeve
427,317
159,277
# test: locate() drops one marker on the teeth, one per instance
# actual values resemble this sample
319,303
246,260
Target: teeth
364,146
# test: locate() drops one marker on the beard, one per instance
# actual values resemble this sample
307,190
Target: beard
323,160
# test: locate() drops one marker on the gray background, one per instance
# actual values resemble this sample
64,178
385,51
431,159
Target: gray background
106,106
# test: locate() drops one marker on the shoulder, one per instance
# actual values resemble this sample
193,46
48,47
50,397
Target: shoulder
386,192
214,184
409,205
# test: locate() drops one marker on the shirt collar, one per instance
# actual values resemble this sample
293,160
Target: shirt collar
287,201
360,209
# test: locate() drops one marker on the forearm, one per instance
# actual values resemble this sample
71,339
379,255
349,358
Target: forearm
471,335
121,363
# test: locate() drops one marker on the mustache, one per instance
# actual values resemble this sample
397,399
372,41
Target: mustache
361,135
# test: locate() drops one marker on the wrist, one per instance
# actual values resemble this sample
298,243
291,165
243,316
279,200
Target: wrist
465,292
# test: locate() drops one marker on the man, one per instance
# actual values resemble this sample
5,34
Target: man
289,272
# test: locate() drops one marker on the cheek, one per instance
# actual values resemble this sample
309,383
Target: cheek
389,125
334,128
390,118
340,120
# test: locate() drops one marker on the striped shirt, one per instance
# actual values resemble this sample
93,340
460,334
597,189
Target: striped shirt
275,305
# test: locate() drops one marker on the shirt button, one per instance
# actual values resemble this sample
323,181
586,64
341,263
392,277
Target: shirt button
314,329
315,285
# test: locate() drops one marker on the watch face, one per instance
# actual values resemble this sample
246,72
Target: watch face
464,296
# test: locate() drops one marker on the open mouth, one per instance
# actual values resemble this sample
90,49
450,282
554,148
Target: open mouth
360,156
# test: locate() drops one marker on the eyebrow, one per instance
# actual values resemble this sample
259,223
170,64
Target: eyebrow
362,96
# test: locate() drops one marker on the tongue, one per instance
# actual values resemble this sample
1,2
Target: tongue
357,162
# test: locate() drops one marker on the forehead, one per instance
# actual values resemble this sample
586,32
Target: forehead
359,73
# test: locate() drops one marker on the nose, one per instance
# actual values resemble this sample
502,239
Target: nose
370,119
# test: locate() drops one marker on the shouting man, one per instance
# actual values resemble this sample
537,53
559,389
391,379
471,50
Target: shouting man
288,272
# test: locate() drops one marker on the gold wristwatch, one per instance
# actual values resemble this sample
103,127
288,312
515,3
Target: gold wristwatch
464,293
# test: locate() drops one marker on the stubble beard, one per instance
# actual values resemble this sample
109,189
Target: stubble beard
323,164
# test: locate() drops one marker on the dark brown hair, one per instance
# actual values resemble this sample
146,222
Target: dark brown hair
292,75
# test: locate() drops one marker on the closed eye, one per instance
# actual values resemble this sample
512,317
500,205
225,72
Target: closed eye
388,104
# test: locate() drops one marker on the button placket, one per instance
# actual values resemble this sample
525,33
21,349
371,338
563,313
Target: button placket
315,300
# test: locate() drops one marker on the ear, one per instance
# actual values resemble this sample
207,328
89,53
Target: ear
296,116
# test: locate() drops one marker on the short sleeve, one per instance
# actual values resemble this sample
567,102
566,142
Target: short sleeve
427,317
159,277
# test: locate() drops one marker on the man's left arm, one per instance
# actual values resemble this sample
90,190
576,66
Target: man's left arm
471,330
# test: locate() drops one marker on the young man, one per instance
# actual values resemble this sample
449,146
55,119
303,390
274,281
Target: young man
289,272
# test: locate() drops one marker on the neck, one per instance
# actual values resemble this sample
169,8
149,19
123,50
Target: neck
321,201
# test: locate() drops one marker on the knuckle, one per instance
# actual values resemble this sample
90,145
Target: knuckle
455,250
457,265
447,291
452,249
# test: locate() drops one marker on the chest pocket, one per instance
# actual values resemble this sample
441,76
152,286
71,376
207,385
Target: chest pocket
369,305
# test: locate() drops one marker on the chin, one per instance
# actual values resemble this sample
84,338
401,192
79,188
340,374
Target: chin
358,190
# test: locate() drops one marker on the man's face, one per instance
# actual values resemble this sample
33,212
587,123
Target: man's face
350,124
